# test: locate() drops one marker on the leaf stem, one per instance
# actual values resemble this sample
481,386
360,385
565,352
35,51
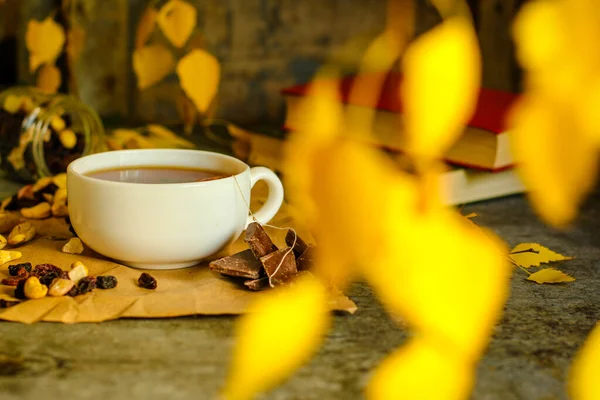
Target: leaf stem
517,265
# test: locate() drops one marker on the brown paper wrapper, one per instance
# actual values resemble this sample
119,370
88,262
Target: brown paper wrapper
188,291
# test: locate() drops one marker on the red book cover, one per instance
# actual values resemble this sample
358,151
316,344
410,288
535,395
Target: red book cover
492,105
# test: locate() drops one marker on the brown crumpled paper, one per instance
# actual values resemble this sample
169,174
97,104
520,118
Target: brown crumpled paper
188,291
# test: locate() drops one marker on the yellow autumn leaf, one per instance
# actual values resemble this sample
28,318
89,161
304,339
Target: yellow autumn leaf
550,275
558,169
44,41
145,27
199,73
48,78
177,19
280,332
444,275
168,136
151,64
419,370
533,254
583,377
442,70
75,42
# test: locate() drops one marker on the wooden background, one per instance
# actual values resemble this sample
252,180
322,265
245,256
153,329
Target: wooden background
262,45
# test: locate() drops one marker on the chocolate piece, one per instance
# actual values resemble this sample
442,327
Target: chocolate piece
257,284
242,264
300,245
306,260
280,265
259,242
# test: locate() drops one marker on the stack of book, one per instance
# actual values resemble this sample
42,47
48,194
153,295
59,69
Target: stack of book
480,163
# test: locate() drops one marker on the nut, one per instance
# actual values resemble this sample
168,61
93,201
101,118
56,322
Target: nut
8,221
73,246
34,289
40,211
2,242
48,197
78,271
60,210
59,205
60,180
60,287
67,138
60,196
12,103
9,255
26,192
57,123
21,233
5,203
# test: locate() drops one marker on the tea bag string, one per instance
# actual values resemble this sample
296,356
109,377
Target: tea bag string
270,226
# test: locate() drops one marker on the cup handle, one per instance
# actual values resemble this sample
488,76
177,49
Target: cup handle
274,199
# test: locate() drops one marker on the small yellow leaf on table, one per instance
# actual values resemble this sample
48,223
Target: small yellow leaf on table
44,41
48,79
151,64
550,275
199,74
532,255
177,20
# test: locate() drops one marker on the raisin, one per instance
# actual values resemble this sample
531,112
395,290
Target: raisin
8,303
147,281
64,275
20,290
86,284
15,269
106,282
14,280
74,291
42,269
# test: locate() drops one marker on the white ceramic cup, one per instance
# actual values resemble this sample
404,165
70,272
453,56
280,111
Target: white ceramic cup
165,225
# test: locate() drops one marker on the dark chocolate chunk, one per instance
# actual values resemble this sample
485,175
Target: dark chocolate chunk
257,284
259,242
242,264
300,245
306,261
280,265
147,281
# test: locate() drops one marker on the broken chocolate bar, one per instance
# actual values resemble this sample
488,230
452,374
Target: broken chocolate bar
306,260
257,284
259,242
280,265
299,245
242,264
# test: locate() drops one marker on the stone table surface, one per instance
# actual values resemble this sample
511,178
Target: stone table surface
187,358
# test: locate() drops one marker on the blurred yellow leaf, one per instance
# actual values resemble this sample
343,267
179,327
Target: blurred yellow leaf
151,64
177,19
418,371
533,254
75,42
44,41
550,275
442,75
199,73
556,163
444,275
585,370
145,27
48,78
280,331
168,136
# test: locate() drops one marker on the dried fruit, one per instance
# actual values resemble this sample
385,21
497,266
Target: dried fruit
8,221
9,255
15,269
39,211
60,287
86,284
67,138
106,282
47,272
78,271
74,291
8,303
34,289
59,206
21,233
14,280
147,281
20,290
73,246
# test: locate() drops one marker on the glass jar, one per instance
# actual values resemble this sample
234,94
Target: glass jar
40,134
